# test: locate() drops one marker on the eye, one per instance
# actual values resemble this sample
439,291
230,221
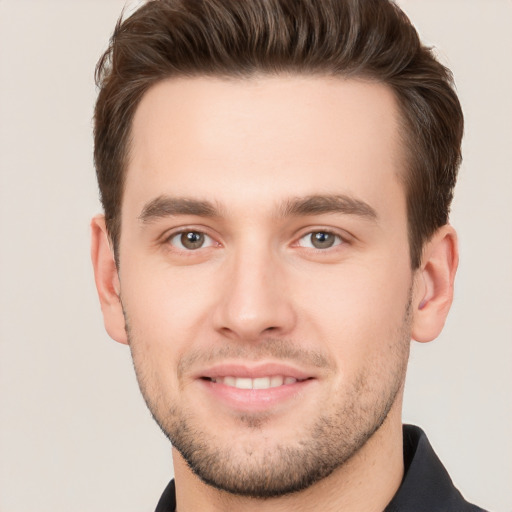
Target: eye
190,240
320,240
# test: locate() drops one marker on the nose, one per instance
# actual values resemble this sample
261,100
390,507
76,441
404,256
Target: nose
255,301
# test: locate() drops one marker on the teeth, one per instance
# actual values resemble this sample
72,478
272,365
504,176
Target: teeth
229,381
243,383
258,383
276,381
261,383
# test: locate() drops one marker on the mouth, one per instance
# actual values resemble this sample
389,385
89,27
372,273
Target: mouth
273,381
249,388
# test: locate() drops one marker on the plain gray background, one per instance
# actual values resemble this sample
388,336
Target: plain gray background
75,435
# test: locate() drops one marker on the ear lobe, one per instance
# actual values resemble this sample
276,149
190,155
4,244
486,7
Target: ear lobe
433,288
107,280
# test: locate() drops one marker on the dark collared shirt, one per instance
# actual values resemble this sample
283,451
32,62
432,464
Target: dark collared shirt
426,486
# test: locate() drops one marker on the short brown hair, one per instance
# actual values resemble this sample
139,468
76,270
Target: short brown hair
370,39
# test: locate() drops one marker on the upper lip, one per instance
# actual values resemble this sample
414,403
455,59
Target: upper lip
253,371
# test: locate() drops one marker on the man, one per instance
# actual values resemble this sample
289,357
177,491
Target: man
276,177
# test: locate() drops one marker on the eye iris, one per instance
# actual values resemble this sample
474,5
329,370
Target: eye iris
322,240
192,240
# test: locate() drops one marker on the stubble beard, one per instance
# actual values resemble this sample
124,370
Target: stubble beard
266,470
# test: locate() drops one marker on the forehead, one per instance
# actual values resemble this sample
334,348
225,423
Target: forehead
258,137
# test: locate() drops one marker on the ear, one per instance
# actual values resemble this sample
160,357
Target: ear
433,287
107,280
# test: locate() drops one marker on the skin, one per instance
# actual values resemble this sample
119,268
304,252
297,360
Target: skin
258,292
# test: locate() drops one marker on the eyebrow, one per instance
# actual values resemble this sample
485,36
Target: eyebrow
321,204
167,206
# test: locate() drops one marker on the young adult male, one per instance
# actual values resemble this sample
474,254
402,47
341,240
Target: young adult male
276,177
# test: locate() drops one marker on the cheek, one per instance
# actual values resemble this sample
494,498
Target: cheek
166,309
359,308
371,289
362,323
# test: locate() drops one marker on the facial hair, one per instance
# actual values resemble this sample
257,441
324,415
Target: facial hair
266,468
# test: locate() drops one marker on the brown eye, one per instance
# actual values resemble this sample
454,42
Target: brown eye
320,240
190,240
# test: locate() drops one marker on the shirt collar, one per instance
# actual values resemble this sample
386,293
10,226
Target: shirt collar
426,486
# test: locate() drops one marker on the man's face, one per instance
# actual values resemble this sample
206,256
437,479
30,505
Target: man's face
264,273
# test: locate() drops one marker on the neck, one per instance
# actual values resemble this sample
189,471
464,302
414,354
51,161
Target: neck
365,483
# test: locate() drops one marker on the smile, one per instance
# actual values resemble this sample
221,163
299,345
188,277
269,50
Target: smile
254,387
257,383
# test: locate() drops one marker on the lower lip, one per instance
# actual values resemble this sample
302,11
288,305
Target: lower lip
255,400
